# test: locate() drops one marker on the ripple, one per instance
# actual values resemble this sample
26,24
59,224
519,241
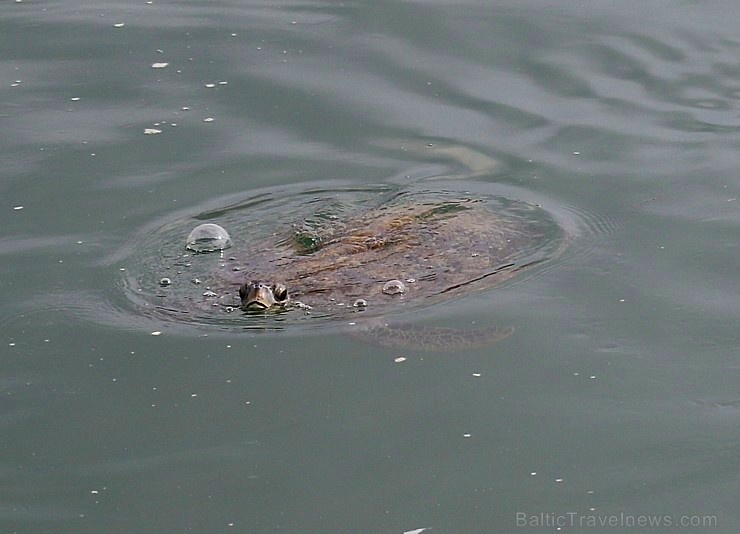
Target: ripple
188,305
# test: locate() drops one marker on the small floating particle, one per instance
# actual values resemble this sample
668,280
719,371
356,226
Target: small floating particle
533,473
576,153
416,531
156,333
17,208
621,300
159,65
193,394
223,83
467,435
558,480
11,344
118,25
476,374
152,131
164,282
75,98
210,85
400,359
208,119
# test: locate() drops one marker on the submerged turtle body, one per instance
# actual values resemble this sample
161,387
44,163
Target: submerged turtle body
431,250
434,250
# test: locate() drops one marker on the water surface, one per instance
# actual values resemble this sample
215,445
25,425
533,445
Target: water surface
616,396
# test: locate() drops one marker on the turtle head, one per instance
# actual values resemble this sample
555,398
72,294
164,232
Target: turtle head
258,296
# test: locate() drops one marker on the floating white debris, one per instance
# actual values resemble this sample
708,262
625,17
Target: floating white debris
476,374
223,83
208,119
416,531
185,108
400,359
159,65
533,473
152,131
118,25
75,98
210,85
17,208
467,435
576,153
156,333
558,480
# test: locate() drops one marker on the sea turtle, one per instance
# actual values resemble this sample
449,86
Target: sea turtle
411,250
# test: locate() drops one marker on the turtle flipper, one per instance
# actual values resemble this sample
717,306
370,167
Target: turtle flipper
430,338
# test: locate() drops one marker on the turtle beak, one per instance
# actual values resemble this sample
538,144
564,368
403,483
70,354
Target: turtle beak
257,296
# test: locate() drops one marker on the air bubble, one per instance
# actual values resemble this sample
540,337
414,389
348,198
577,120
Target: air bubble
394,287
208,237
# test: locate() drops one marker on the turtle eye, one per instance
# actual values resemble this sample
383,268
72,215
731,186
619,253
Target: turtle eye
243,291
280,292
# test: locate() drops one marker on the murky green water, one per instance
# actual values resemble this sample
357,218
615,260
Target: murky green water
617,395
